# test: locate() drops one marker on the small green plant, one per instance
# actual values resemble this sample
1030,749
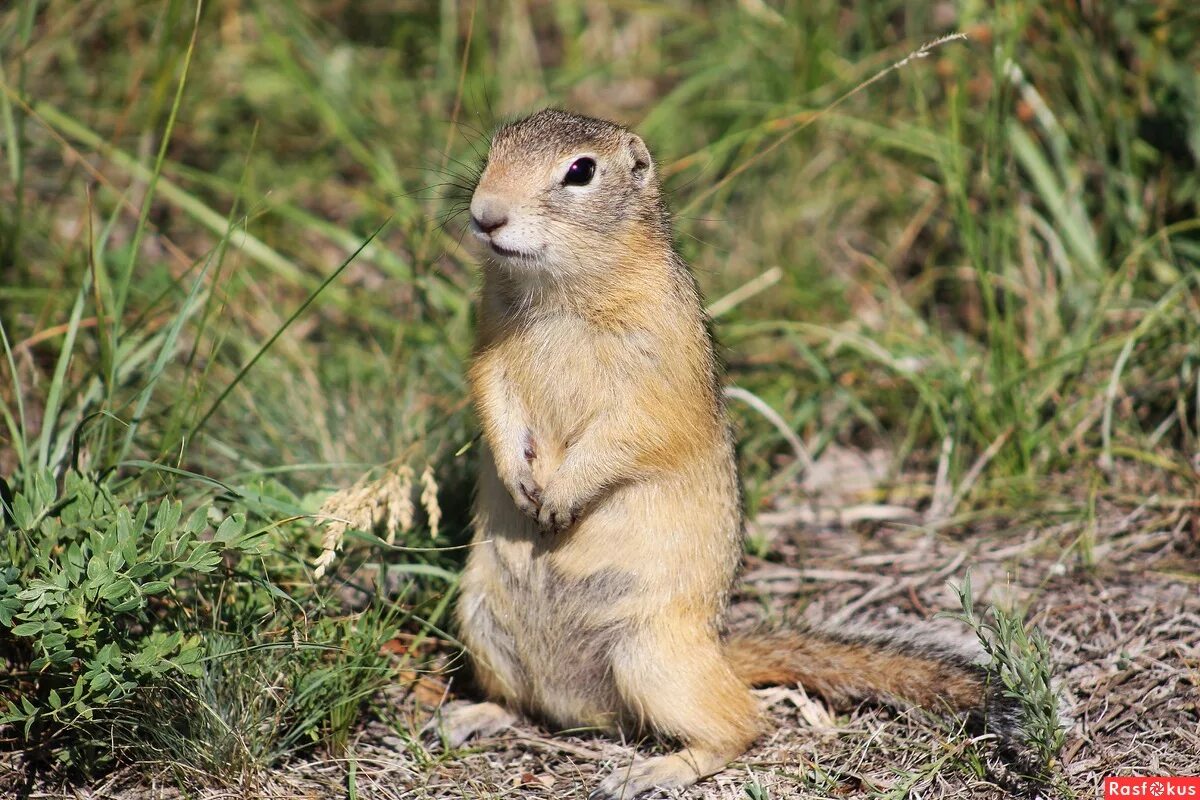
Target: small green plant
756,792
258,698
1019,658
167,638
90,594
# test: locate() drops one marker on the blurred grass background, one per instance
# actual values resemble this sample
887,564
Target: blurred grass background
986,267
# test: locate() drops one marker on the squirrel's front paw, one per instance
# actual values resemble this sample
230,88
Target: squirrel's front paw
528,496
526,492
525,489
557,513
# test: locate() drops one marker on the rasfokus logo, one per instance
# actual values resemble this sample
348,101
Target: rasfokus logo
1152,788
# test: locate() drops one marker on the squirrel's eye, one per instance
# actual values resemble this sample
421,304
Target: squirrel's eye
580,172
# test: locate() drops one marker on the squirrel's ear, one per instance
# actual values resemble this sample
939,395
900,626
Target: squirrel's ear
643,165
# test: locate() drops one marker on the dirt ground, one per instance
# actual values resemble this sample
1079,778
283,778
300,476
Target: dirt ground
1124,635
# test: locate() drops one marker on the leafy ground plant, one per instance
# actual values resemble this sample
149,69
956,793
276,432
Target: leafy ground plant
1019,660
113,613
90,600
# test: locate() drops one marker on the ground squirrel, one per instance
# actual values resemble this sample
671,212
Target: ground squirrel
608,528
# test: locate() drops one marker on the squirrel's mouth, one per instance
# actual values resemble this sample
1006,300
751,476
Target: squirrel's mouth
504,251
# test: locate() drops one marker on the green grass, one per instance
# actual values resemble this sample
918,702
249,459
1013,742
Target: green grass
231,279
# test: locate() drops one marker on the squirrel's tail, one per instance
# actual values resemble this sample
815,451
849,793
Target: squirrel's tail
847,666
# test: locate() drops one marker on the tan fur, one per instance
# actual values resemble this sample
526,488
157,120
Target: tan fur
607,520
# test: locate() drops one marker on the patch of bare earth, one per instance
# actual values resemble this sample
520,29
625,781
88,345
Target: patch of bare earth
1124,631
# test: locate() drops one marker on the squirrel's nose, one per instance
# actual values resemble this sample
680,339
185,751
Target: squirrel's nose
488,214
489,224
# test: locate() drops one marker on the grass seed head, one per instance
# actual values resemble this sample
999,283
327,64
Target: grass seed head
369,504
429,499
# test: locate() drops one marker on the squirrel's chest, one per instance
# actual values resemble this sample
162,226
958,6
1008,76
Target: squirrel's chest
566,371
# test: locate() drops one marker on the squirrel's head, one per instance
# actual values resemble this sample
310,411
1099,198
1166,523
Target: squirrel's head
558,189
